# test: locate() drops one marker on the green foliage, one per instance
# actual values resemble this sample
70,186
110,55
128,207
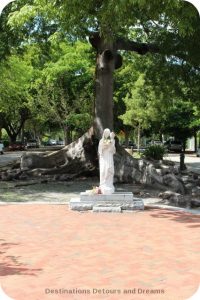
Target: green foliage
63,88
172,24
6,143
119,15
50,73
182,120
155,152
79,122
161,96
137,104
9,38
15,78
15,81
137,155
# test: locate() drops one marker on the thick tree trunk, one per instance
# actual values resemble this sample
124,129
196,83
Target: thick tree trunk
104,102
104,89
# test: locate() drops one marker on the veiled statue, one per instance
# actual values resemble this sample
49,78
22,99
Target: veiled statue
106,151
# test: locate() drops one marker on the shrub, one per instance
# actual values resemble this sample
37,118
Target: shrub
155,152
6,143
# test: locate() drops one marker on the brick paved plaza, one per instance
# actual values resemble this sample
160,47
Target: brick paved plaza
49,252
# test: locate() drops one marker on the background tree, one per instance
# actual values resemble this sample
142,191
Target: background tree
15,80
63,92
181,121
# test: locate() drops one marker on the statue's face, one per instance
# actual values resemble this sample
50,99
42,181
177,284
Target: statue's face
106,133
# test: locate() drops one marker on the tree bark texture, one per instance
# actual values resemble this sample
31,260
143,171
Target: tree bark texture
105,65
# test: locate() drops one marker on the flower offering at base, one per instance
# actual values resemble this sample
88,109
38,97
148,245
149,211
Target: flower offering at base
96,190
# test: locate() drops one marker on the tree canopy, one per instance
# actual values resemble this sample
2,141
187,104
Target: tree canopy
47,64
171,27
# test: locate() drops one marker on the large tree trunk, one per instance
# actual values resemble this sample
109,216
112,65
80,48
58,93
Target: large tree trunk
104,89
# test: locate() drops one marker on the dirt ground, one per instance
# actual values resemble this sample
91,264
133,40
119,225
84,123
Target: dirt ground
62,192
59,191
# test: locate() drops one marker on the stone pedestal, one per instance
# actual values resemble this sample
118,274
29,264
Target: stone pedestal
116,202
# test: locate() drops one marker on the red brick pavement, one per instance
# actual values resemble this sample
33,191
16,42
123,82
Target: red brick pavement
48,247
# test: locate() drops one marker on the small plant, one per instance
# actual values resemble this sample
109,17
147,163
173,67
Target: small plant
155,152
137,155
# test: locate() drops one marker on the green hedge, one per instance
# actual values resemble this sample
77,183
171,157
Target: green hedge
155,152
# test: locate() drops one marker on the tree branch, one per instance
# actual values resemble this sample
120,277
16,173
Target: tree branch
20,127
140,48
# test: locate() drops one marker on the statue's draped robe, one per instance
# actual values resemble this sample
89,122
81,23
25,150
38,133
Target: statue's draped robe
106,165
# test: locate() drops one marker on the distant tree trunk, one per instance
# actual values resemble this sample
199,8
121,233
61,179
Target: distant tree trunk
12,132
195,142
22,133
69,139
11,129
0,133
127,133
13,138
163,138
67,135
182,156
138,137
35,133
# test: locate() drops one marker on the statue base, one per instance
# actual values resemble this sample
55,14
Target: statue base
116,202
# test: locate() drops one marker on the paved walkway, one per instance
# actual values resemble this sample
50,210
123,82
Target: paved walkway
191,160
48,252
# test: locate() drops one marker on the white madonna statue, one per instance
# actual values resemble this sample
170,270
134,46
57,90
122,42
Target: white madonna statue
106,150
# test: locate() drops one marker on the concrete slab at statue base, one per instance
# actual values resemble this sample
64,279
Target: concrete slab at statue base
116,202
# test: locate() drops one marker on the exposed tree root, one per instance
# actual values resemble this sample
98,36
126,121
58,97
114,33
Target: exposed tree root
81,158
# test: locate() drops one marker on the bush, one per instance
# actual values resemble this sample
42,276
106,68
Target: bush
6,143
155,152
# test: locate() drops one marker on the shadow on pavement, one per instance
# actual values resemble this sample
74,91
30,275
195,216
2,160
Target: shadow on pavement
195,167
193,221
10,265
